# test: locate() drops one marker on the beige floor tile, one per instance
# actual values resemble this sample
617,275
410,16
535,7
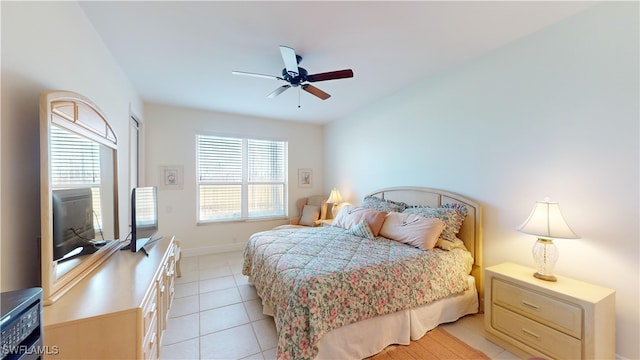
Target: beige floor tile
218,298
254,309
188,289
219,283
254,357
184,306
222,318
265,330
189,349
189,263
182,328
234,343
215,272
248,292
211,260
269,354
241,279
188,276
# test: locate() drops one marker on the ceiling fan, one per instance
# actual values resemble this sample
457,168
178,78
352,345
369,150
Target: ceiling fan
298,76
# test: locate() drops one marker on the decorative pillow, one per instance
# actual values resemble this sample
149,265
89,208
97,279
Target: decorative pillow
350,216
452,217
310,214
463,209
412,229
372,202
362,229
450,245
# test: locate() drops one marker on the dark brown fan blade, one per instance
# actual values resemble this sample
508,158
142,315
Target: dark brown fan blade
315,91
278,91
331,75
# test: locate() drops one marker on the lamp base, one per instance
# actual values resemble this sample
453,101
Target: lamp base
545,255
545,277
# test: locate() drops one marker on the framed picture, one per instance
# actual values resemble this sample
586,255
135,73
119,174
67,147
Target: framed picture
305,177
171,177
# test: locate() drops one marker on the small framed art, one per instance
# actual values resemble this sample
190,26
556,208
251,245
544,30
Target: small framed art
305,177
171,177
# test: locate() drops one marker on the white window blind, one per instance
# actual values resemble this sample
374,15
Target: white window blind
75,163
240,178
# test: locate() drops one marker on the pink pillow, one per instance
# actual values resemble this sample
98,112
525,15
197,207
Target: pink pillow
350,216
412,229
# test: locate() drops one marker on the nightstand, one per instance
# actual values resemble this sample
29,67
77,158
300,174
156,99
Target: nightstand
567,319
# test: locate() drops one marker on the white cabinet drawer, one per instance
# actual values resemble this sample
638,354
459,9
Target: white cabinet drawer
150,344
150,311
542,338
560,315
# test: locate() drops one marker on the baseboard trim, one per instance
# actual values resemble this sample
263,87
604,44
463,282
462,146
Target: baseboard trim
215,249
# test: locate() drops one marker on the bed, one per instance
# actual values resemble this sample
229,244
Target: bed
334,294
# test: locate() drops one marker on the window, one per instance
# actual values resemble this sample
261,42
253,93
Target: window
240,179
75,163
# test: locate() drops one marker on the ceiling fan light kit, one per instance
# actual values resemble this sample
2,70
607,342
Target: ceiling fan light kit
297,76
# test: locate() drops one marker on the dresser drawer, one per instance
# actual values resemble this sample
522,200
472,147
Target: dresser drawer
557,314
540,337
150,343
150,311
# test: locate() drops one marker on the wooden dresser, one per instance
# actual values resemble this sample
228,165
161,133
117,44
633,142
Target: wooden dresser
567,319
119,311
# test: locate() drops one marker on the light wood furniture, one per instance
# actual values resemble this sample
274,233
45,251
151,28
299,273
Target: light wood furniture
567,319
119,311
77,117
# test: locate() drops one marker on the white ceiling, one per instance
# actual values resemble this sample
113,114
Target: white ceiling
182,53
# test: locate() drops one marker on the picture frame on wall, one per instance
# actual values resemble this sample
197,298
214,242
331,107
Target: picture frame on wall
305,178
171,177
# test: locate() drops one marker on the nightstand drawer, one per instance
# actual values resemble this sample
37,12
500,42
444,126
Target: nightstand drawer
544,339
554,313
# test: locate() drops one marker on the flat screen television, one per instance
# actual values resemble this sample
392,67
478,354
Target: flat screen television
73,231
144,217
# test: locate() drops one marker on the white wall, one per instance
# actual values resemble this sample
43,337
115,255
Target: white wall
170,140
554,114
48,46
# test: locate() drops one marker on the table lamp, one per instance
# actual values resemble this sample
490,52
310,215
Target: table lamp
547,223
334,198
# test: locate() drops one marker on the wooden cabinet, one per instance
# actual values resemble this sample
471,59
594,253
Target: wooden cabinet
567,319
119,311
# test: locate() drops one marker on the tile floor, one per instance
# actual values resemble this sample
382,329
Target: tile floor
216,314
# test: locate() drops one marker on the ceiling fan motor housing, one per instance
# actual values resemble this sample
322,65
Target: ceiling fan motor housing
297,79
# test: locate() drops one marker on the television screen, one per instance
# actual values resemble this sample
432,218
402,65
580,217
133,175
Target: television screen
72,222
144,216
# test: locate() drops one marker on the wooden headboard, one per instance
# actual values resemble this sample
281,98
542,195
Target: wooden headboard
471,230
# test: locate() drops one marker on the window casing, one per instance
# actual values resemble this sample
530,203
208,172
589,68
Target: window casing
240,178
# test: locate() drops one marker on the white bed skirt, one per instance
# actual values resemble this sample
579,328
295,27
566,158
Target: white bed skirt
369,337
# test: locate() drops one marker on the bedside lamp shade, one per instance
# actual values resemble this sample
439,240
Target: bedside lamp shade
334,198
547,223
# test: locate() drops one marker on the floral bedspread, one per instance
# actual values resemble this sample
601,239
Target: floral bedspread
322,278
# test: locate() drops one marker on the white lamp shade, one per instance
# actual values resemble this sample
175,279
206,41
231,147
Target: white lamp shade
546,221
334,197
